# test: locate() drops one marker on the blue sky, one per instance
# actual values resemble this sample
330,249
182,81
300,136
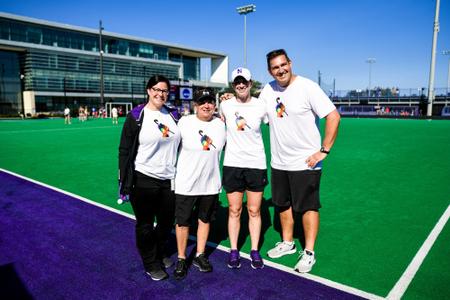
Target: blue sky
335,37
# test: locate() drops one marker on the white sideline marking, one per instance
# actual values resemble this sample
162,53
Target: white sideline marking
315,278
402,284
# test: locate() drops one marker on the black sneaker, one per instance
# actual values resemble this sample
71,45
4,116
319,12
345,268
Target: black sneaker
167,262
181,269
202,263
158,274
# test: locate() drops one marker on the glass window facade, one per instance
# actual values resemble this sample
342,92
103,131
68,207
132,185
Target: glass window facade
61,77
10,90
191,65
56,72
13,30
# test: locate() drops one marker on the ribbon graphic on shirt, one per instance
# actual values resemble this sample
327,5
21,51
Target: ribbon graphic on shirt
205,140
280,108
163,128
241,122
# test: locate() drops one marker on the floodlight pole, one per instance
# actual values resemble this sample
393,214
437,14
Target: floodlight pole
370,61
244,10
433,61
102,100
447,52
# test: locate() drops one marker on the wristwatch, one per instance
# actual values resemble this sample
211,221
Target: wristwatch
322,149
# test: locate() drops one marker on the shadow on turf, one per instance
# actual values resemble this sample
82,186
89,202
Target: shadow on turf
11,286
219,228
299,234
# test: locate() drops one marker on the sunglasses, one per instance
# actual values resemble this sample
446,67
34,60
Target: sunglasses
240,80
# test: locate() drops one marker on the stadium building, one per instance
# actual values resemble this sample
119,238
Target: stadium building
46,66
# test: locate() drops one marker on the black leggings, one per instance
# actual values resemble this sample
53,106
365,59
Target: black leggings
152,198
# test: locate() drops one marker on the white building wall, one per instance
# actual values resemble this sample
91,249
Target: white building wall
219,70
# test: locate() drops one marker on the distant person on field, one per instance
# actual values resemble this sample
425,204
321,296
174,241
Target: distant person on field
81,114
115,115
86,113
67,116
294,105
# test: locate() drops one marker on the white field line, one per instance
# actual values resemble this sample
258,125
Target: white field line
315,278
51,130
71,195
402,284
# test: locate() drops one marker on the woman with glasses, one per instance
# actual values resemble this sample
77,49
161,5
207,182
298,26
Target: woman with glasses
147,157
244,166
197,183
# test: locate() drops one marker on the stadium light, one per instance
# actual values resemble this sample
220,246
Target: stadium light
447,52
244,10
370,61
433,61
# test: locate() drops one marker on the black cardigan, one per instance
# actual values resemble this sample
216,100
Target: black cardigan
129,144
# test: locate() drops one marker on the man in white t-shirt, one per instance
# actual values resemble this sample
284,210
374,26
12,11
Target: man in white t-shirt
244,166
294,105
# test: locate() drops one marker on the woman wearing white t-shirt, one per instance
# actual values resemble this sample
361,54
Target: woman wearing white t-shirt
147,157
197,182
244,164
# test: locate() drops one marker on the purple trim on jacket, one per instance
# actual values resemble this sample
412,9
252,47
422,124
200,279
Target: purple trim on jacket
137,112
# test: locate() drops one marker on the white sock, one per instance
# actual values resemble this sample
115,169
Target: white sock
289,243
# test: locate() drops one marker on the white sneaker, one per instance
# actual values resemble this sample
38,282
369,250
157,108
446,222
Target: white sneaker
281,249
305,262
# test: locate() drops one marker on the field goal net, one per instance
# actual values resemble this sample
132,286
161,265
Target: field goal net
125,106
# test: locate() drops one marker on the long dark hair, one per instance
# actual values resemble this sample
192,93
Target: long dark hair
155,79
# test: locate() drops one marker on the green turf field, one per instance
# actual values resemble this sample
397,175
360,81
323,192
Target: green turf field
384,187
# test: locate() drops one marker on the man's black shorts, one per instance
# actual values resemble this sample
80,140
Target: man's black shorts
299,189
242,179
205,208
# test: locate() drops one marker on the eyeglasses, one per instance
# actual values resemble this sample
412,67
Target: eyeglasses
157,90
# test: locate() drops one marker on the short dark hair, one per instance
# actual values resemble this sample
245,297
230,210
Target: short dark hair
274,53
155,79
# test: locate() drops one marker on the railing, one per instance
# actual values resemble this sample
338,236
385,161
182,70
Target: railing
405,96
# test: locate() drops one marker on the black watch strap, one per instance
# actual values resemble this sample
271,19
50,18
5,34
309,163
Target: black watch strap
322,149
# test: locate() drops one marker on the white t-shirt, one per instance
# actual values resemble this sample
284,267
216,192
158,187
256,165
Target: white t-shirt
66,111
294,114
245,148
114,112
158,145
198,171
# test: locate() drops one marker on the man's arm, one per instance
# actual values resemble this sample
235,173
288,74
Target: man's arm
331,130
